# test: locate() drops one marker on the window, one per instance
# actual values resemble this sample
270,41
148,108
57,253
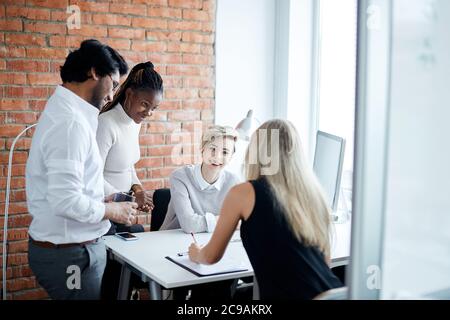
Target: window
335,108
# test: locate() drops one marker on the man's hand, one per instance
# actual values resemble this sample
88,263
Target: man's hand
121,212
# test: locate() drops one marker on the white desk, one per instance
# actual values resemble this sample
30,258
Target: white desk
340,244
146,257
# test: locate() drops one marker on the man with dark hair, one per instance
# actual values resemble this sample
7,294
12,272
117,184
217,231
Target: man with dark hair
64,178
98,62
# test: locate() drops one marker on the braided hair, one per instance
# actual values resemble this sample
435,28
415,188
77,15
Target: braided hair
143,76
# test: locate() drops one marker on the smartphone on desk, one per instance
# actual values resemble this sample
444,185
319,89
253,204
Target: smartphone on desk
126,236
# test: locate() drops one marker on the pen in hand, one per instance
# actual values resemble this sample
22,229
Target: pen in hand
181,254
192,234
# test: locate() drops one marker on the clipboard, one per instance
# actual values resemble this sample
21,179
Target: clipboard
225,265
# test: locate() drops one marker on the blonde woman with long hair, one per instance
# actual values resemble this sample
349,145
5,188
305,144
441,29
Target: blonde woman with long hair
285,219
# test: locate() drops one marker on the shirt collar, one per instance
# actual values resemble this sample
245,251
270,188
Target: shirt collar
202,183
124,117
87,110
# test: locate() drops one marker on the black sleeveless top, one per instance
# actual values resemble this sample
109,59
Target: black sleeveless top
284,267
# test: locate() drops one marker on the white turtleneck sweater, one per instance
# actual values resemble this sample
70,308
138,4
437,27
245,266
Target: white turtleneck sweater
118,143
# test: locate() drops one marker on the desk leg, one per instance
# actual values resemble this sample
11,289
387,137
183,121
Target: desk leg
255,289
155,290
124,283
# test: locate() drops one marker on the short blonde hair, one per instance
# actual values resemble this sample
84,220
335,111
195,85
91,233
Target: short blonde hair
214,132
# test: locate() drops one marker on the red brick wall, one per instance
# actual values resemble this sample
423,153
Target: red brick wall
176,35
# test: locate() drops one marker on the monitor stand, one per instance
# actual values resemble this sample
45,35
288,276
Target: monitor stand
343,212
340,216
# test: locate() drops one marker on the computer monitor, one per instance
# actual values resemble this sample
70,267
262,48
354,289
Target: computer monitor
328,161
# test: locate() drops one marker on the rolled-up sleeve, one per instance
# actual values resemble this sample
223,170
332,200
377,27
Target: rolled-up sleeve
64,158
189,220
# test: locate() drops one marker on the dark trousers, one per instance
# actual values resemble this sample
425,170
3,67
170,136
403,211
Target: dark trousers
118,227
73,273
111,277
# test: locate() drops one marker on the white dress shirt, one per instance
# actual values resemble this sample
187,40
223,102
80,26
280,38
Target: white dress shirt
64,173
204,185
118,143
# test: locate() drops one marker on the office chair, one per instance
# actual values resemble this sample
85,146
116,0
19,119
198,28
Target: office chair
161,199
334,294
340,272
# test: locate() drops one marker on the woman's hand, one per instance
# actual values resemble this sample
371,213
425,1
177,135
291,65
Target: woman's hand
144,200
109,198
194,252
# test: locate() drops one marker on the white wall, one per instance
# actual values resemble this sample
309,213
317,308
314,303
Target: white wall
265,60
245,41
244,60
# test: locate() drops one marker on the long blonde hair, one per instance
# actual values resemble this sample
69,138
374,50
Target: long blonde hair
293,184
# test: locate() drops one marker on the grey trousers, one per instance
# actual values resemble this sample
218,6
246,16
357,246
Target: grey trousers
73,273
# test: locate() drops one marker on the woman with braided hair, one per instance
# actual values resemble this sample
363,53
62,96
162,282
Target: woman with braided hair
118,142
118,131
